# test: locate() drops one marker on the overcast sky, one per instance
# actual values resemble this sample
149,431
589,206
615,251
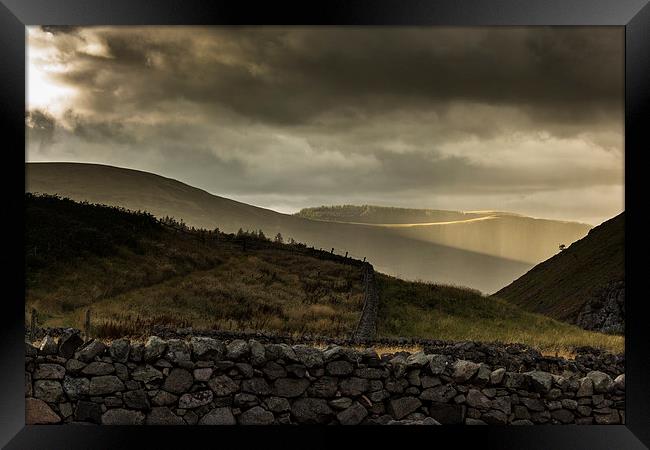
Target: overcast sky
528,120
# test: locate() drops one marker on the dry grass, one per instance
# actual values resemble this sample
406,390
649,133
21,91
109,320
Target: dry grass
449,313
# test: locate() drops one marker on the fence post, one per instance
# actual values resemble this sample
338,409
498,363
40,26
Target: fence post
332,252
87,324
346,254
364,259
34,318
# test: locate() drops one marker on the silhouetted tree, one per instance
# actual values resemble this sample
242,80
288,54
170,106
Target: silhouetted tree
278,238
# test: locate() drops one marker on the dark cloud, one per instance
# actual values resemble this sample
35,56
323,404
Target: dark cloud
277,111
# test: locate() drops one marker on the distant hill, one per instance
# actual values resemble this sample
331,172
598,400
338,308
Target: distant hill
584,284
484,254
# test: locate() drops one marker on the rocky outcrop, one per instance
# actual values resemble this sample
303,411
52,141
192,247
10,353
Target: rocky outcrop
605,310
205,381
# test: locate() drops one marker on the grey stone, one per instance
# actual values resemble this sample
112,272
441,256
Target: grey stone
514,380
427,382
311,411
48,390
563,415
76,387
74,365
371,373
401,407
619,382
586,388
195,399
178,351
146,374
164,398
246,370
340,403
494,417
277,404
137,352
441,394
257,386
601,381
483,375
154,348
569,403
476,399
237,349
105,384
323,387
353,386
205,348
339,368
353,415
540,381
98,368
464,370
309,356
223,385
398,366
120,349
256,416
521,422
162,415
90,351
417,360
503,404
122,417
273,370
258,353
191,418
39,412
289,387
49,372
438,364
136,399
533,404
48,346
65,409
69,343
244,400
496,377
203,374
178,381
607,419
218,416
470,421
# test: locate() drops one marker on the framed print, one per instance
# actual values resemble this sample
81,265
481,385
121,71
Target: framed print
422,218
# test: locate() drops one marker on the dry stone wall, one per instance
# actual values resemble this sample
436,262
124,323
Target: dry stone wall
205,381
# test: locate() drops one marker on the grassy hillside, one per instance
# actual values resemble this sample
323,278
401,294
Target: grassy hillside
560,286
484,254
136,271
452,313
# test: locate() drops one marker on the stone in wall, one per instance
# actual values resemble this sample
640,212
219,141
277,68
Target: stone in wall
204,381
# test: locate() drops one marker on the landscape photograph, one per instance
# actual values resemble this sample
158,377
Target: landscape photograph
324,225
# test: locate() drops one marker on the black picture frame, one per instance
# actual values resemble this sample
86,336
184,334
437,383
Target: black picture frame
634,15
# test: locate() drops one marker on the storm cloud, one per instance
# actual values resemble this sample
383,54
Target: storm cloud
518,119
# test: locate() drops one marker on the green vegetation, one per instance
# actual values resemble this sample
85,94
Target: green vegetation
453,313
135,272
560,286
